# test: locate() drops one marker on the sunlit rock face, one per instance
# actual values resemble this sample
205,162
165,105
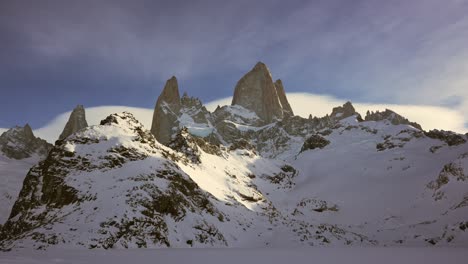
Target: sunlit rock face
287,110
76,122
256,91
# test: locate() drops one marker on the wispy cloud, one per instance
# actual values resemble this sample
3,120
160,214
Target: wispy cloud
429,117
303,104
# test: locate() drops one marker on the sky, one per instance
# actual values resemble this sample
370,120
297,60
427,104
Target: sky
57,54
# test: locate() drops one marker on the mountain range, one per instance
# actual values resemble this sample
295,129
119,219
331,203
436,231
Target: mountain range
249,174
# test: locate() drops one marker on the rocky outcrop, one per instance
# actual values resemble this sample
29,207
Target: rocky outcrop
153,192
342,112
20,142
391,116
257,92
184,143
287,110
166,112
315,141
449,137
76,122
194,108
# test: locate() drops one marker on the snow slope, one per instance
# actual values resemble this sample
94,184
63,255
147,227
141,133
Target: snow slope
12,173
348,255
368,183
387,193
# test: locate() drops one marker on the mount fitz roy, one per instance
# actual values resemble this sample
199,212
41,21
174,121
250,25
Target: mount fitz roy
249,174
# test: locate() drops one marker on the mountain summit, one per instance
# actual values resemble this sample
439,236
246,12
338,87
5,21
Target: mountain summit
166,111
256,91
76,122
20,143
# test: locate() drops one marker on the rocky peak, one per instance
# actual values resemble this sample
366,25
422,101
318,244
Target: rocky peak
166,112
393,117
287,110
123,119
344,111
27,132
170,94
76,121
189,102
20,142
256,92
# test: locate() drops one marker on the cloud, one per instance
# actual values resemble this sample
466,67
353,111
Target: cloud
429,117
94,115
303,104
401,52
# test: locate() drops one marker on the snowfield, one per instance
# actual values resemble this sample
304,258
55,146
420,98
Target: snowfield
350,255
353,183
12,175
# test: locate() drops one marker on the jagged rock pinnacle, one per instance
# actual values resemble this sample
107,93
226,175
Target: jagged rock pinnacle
287,110
28,132
76,121
256,91
393,117
166,111
344,111
20,142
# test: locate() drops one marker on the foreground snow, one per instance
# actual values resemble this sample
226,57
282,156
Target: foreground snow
12,173
367,183
235,256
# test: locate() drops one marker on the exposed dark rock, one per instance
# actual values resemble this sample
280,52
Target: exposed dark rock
20,142
76,121
315,141
391,116
449,137
166,112
242,144
184,143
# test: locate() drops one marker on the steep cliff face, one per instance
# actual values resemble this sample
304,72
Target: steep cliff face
256,91
287,110
76,122
166,112
19,151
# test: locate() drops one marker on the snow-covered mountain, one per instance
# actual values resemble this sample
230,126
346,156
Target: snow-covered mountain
19,151
245,175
